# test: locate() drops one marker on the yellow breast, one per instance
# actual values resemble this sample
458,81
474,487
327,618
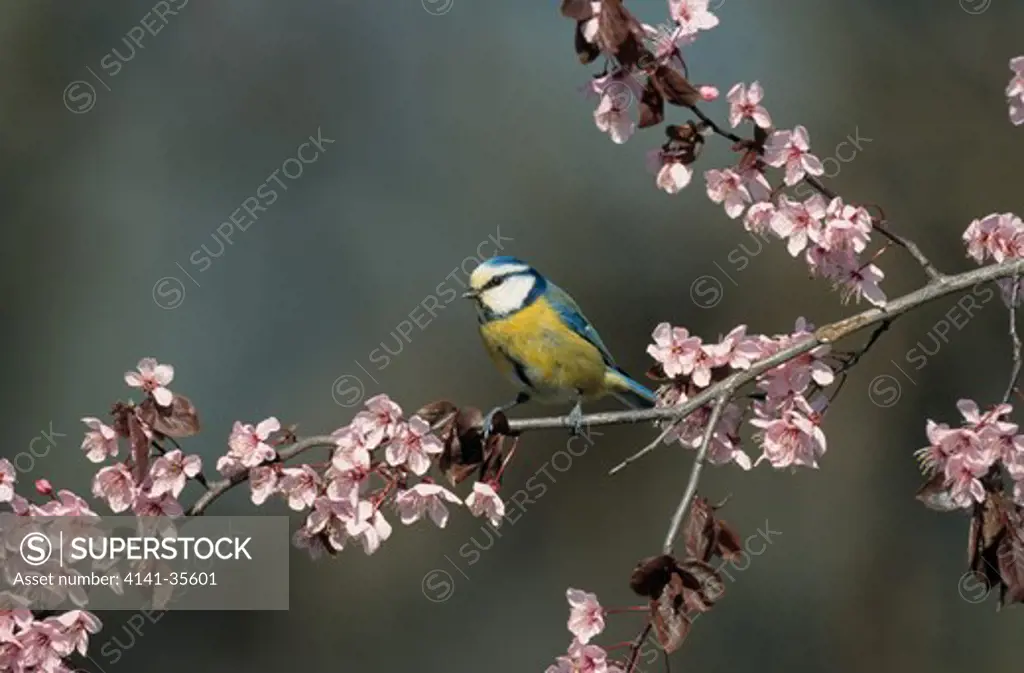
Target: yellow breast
555,360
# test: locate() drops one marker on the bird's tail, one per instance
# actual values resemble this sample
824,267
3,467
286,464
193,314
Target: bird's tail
628,391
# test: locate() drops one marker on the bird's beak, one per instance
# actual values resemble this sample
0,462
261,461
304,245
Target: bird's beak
471,294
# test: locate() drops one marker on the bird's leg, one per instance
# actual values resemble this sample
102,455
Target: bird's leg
576,419
489,418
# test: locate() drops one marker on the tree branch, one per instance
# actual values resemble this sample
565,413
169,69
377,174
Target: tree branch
1015,340
698,465
219,488
936,289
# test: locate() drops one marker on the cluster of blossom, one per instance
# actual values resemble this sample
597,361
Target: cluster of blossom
156,493
1015,91
340,496
586,621
965,455
28,644
1000,237
831,236
789,425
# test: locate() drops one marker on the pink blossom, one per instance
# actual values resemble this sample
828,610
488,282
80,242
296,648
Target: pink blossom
727,187
792,150
78,624
369,526
756,183
347,475
100,442
300,485
673,347
380,421
115,484
153,378
353,446
247,445
170,472
1015,91
798,222
997,235
329,518
964,480
673,175
584,659
165,505
692,16
854,279
665,40
736,349
758,217
66,503
707,92
43,645
792,439
612,117
425,498
484,501
263,482
8,475
586,616
725,441
414,446
745,103
847,227
44,487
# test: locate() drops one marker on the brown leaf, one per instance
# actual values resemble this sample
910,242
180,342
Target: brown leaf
671,623
699,530
935,495
177,420
703,585
586,51
651,575
674,87
1011,566
140,448
727,542
652,113
580,10
463,441
620,34
437,411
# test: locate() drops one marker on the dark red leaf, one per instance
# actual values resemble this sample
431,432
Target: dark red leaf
727,542
435,412
703,585
935,495
580,10
671,623
651,575
674,87
463,441
1011,566
699,530
177,420
652,113
140,448
586,51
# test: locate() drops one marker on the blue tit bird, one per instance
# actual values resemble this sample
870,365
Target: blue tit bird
539,338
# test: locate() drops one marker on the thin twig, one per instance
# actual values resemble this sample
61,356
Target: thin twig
650,447
219,488
698,465
1015,372
635,650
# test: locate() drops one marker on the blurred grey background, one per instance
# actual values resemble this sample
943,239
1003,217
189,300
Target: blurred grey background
451,120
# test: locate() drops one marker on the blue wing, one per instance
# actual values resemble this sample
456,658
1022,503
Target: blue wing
570,313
